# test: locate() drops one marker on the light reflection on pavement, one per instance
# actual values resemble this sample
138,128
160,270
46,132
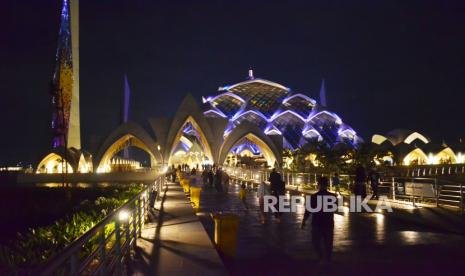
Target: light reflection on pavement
362,239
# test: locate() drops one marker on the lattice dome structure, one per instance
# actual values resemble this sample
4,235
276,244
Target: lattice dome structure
278,111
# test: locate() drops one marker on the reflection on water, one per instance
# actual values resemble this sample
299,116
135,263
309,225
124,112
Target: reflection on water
82,185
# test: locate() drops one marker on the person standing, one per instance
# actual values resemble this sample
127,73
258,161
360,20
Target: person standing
360,181
243,195
225,181
277,187
210,178
374,183
322,222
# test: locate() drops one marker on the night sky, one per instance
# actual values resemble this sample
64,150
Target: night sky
387,64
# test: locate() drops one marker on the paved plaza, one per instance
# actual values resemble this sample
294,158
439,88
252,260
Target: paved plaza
372,244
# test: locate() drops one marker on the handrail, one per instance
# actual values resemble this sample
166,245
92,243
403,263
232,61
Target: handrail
137,207
387,184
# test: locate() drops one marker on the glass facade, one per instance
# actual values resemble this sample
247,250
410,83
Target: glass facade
278,111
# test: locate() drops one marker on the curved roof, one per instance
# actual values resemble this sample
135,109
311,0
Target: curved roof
398,136
276,110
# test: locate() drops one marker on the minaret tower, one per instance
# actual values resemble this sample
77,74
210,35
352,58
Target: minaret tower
65,83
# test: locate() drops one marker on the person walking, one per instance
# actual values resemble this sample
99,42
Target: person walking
322,221
210,178
243,195
261,192
336,183
205,178
217,180
277,187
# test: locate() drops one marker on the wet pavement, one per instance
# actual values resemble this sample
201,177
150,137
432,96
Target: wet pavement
371,244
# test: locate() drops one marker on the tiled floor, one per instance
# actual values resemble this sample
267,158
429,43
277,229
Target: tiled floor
176,243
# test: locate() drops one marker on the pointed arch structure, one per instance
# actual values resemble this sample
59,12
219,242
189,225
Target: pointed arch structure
270,150
126,135
209,130
77,161
204,142
55,163
416,156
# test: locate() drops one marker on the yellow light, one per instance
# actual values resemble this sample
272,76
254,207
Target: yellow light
123,215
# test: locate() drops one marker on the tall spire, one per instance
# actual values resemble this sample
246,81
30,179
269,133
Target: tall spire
323,94
126,100
65,80
126,108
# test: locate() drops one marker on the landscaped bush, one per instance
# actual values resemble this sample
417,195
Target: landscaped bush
35,246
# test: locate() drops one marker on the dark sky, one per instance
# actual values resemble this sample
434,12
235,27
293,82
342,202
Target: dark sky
387,64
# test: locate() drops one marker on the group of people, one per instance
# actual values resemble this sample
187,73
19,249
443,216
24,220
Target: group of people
215,177
322,222
361,178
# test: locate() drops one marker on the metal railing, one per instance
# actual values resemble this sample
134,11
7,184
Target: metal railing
105,248
299,181
414,190
433,170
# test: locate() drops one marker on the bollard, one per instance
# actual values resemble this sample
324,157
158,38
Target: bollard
195,196
185,185
226,226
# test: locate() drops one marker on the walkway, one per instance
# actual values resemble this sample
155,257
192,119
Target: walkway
371,244
177,244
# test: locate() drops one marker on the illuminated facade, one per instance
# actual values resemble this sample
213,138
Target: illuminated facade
249,123
273,107
405,147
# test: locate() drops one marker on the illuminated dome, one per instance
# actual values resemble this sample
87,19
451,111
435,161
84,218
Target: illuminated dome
278,111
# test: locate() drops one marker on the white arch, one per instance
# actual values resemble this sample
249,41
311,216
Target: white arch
444,155
412,137
275,116
216,112
378,139
203,140
211,99
54,163
270,83
237,116
312,101
307,131
334,115
416,154
105,162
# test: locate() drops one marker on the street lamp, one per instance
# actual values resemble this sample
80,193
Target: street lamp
162,158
